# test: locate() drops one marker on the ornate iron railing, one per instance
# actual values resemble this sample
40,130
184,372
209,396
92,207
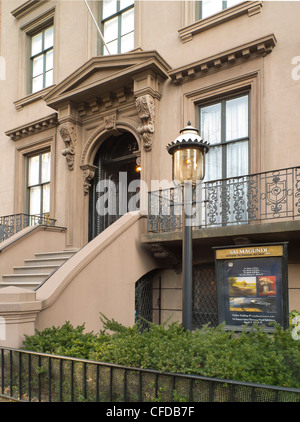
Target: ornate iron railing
12,224
38,377
255,198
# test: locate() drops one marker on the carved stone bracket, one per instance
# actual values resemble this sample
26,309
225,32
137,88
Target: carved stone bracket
146,111
68,133
88,175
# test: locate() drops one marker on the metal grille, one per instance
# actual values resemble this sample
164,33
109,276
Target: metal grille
12,224
143,298
257,198
205,307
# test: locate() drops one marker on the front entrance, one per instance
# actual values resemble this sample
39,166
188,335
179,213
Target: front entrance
114,190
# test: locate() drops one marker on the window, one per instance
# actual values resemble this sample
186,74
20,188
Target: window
41,55
206,8
38,184
118,25
224,125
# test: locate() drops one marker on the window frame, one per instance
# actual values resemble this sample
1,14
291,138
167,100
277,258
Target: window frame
199,8
223,142
42,53
118,14
40,183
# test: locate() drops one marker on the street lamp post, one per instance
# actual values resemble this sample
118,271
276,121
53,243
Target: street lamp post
188,155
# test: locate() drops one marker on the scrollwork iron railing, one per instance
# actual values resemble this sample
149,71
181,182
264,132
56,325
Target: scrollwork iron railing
12,224
257,198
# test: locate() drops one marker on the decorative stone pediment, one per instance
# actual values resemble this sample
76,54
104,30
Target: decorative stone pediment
104,79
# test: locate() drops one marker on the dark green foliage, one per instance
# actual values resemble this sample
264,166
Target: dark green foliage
253,355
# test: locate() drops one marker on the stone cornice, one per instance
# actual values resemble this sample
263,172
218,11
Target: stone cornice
253,49
27,7
248,7
33,127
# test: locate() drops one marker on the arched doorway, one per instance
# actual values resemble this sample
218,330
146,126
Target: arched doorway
110,193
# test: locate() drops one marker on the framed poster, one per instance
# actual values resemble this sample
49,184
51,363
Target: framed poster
252,285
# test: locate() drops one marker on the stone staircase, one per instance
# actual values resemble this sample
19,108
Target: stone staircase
35,271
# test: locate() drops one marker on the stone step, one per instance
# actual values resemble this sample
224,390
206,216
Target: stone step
35,269
24,284
45,261
59,254
15,279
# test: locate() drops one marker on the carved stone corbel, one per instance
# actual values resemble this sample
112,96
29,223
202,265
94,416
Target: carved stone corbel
146,111
68,133
88,175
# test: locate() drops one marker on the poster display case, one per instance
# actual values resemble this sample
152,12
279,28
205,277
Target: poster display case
252,285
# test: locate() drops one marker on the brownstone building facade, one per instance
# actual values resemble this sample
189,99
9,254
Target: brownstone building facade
91,94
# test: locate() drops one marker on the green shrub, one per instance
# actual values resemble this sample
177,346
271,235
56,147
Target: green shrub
253,355
65,341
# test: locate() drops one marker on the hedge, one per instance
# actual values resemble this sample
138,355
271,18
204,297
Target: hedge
253,355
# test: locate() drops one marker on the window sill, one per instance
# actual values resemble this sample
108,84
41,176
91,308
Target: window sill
19,104
248,7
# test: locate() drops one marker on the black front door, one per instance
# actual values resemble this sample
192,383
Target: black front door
115,183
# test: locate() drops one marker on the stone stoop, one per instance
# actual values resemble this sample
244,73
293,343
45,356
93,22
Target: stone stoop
35,271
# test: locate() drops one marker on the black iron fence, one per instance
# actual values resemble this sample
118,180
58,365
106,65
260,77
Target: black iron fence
12,224
256,198
37,377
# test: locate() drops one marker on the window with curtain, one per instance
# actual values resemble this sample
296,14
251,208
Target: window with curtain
118,25
38,184
225,126
41,56
206,8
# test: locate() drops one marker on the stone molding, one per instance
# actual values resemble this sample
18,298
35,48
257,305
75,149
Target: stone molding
111,124
27,7
248,7
253,49
33,127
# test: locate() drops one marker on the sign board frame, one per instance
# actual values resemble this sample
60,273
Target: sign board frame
252,285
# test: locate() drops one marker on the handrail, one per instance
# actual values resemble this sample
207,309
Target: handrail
254,198
13,223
